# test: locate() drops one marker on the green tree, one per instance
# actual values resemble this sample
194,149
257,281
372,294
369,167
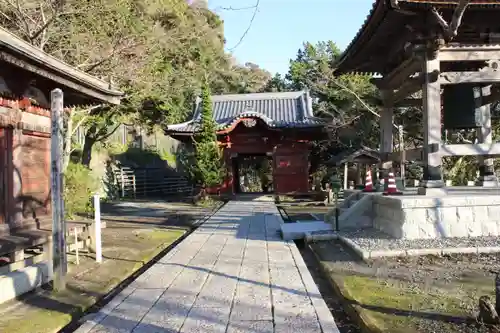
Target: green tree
276,84
346,101
157,51
209,169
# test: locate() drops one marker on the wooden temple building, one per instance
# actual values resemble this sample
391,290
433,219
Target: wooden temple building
27,77
443,56
273,129
356,163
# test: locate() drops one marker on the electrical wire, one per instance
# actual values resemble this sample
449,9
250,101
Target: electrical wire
248,28
238,8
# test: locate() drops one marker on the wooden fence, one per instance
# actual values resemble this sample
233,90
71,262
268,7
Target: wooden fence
150,182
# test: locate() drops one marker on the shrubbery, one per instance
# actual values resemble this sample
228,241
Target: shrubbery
79,186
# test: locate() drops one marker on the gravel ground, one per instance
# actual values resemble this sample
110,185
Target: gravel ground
371,239
466,277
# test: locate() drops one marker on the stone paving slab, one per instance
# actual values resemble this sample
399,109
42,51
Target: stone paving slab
234,274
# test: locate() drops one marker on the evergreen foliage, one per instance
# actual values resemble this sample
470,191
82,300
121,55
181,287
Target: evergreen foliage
208,169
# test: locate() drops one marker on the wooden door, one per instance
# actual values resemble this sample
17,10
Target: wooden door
290,172
3,175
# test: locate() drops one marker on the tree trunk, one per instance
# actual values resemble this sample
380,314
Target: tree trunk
87,150
67,142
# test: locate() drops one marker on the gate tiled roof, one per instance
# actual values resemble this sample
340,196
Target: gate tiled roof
277,110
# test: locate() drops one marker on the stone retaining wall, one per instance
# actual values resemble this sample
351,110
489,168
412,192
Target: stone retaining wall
416,217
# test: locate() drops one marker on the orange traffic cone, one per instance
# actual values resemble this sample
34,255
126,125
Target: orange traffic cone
368,182
391,186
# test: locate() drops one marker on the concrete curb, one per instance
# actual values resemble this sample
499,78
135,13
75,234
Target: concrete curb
432,251
325,317
360,318
373,254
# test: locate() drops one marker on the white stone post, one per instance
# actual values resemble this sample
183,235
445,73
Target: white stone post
346,173
97,227
59,258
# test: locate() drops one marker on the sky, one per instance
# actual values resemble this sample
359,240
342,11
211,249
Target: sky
281,26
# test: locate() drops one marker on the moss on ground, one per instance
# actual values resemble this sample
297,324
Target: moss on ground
49,312
395,307
393,299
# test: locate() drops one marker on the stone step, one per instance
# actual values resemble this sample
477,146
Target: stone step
21,281
292,231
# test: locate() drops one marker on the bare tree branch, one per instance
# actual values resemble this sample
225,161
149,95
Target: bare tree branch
451,30
104,137
43,30
366,106
21,15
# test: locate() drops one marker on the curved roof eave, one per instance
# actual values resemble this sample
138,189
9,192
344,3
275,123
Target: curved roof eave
17,46
376,16
180,125
351,48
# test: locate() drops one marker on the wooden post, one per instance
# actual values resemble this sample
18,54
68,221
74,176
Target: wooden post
122,182
386,136
358,175
134,186
59,258
487,177
76,246
402,151
432,181
97,228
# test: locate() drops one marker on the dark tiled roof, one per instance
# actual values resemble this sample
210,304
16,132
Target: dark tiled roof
277,110
353,155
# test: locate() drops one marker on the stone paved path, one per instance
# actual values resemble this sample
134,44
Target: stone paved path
233,274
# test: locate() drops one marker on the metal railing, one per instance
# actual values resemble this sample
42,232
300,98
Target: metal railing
150,182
